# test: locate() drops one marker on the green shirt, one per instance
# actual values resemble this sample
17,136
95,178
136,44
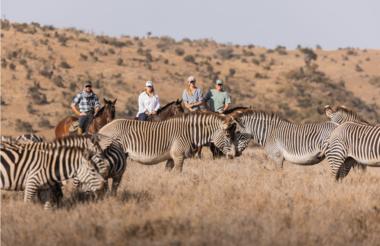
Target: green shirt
217,99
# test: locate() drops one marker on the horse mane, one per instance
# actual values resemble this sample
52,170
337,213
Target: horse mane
166,106
231,110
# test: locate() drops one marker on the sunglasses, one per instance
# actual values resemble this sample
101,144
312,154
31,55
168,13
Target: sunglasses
88,86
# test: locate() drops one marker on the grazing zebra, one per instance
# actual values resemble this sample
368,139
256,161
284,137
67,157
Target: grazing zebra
353,142
31,170
30,137
241,141
173,139
283,140
114,163
342,114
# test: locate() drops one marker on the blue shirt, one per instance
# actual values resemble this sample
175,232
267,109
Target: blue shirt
196,97
86,101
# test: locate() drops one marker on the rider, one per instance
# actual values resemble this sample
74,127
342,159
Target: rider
218,99
88,104
192,95
148,102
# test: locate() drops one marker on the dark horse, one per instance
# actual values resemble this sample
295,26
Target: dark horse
105,115
169,110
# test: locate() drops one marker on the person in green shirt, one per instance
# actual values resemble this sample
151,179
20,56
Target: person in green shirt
218,99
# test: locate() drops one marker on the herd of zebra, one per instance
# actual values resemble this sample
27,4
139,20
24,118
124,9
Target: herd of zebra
36,166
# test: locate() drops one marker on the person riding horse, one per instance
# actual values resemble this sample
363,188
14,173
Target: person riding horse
88,104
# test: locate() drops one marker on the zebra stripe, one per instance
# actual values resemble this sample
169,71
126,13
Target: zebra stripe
174,139
115,160
353,141
31,170
283,140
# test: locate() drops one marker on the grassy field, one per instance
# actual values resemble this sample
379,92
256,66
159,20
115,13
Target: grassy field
244,201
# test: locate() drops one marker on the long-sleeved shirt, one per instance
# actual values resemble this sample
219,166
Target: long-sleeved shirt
148,103
86,101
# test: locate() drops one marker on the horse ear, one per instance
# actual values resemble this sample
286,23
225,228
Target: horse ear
105,100
179,101
114,102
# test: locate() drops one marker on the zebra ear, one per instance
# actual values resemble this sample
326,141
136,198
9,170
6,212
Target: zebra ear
329,111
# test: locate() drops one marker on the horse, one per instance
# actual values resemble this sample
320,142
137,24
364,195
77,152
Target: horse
105,115
169,110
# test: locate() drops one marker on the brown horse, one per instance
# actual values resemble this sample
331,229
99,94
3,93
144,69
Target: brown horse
105,115
169,110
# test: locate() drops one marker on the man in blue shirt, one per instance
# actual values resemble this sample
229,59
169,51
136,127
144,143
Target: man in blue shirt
88,104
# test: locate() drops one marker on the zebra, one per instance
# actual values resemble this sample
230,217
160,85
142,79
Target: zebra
174,139
283,140
353,142
341,114
241,141
115,160
30,170
30,137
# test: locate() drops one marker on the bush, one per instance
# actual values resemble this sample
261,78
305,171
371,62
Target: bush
119,61
179,51
255,61
73,86
358,68
37,96
309,55
45,123
12,66
58,81
261,76
23,126
46,72
83,57
65,65
375,80
111,41
30,109
226,54
231,72
189,58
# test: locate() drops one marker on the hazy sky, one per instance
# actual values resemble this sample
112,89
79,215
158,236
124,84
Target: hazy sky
329,23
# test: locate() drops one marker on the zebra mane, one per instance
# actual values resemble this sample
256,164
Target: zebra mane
258,113
350,112
231,110
191,114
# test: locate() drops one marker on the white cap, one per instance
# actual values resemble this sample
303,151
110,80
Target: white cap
191,79
149,84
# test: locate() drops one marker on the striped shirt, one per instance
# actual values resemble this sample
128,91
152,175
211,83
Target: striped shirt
86,101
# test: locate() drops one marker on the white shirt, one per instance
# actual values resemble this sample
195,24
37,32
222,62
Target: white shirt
148,103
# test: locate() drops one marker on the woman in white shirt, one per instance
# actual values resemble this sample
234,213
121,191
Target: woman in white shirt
148,102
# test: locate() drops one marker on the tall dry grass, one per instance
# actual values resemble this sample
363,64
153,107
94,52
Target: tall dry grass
239,202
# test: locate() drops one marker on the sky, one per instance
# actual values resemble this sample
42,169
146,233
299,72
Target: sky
331,24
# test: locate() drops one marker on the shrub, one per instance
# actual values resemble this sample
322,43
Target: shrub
119,61
309,55
281,50
65,65
358,68
231,72
179,51
375,80
261,76
4,63
189,58
73,86
83,57
37,96
12,66
46,72
110,41
23,126
255,61
30,109
58,81
226,53
44,123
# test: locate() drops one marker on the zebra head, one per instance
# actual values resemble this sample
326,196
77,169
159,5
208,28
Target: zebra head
88,172
241,142
342,114
223,138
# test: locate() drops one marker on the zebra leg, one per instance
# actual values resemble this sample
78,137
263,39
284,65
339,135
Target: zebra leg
358,166
169,165
344,169
115,185
31,189
178,163
336,155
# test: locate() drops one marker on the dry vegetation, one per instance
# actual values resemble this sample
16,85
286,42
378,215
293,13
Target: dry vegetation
242,202
46,66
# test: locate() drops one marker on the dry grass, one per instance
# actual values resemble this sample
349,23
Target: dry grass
219,202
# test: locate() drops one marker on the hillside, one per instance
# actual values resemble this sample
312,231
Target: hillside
42,68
